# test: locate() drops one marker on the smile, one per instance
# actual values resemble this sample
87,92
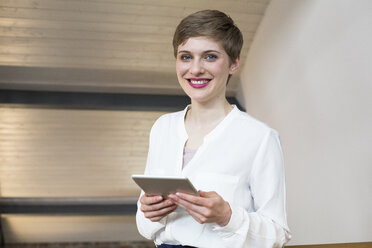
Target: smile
198,83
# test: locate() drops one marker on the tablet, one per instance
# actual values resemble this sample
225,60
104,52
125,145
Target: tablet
164,185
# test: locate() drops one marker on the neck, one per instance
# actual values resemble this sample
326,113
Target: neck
203,114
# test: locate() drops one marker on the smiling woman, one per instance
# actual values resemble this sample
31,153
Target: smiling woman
202,62
233,159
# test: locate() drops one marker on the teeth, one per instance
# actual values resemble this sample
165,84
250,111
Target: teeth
199,81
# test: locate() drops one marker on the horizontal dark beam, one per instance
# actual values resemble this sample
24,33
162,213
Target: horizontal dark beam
93,100
68,206
98,100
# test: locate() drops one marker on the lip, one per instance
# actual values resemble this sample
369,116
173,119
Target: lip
202,82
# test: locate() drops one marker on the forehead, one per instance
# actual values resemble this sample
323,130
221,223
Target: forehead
200,43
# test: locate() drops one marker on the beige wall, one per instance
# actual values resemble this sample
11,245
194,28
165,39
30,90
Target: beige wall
47,152
308,75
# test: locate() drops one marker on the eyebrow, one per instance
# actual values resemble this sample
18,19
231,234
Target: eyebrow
208,51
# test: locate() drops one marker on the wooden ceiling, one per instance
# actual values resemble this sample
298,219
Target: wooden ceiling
103,45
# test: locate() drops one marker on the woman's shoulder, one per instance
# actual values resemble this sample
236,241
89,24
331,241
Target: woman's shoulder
168,120
169,117
251,124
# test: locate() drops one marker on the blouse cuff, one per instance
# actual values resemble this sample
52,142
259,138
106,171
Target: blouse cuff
236,220
147,228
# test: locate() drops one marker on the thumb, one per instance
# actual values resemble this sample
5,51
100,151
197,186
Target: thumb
207,194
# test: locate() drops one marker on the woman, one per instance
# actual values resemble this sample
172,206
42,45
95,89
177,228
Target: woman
235,160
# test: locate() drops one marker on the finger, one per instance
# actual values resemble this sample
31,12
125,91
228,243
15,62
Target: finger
149,200
158,218
156,206
160,213
208,194
201,210
180,201
196,200
198,217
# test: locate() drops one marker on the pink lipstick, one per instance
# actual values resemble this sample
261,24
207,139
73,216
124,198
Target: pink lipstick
198,83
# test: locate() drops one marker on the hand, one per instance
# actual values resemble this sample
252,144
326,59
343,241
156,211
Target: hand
208,207
155,207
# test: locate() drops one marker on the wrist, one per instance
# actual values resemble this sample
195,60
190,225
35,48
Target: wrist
226,216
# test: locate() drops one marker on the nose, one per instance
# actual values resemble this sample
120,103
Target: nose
196,67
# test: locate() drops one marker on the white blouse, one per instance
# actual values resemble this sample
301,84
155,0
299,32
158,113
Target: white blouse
241,159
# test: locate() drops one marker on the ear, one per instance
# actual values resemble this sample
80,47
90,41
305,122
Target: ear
234,66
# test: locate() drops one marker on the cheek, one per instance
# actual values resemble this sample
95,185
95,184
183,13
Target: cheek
219,69
180,66
180,71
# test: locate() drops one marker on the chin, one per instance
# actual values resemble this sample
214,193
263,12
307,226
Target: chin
200,98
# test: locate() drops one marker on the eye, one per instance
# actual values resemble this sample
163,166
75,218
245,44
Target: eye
210,57
185,57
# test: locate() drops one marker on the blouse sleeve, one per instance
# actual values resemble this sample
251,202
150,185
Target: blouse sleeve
267,225
146,227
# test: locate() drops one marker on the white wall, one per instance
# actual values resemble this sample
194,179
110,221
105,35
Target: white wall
308,75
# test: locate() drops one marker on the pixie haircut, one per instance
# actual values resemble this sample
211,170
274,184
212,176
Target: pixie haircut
213,24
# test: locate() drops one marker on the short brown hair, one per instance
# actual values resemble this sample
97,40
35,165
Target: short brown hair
213,24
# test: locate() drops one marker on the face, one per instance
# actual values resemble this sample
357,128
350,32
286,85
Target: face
203,67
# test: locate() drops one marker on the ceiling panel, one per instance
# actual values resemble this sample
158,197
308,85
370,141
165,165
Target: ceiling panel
130,36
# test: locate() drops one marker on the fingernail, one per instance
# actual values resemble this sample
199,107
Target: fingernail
159,198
